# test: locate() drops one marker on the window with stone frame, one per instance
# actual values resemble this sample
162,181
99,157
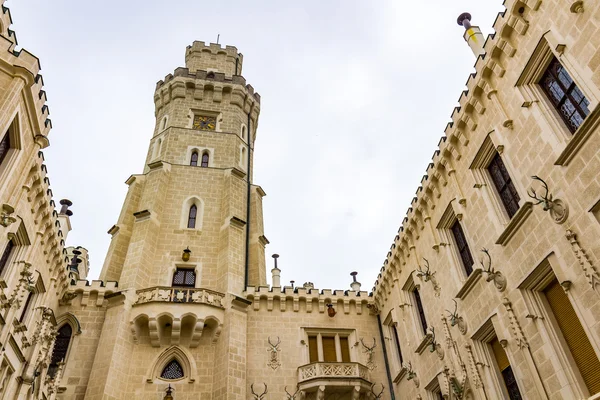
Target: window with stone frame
172,371
5,146
7,254
463,247
328,345
61,348
504,185
205,158
194,159
568,100
420,310
184,277
192,215
508,376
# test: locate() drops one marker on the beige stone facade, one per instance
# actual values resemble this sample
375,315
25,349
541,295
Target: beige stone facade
183,302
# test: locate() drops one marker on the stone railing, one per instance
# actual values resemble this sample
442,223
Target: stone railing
180,295
332,370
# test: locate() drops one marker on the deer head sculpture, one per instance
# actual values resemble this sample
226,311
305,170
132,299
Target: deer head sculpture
427,274
557,208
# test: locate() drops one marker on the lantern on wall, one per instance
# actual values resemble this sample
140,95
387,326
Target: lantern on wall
186,254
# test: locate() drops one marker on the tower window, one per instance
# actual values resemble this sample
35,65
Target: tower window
5,146
194,159
205,158
397,342
26,306
504,186
463,247
61,346
172,370
184,277
564,94
192,217
420,310
6,255
577,340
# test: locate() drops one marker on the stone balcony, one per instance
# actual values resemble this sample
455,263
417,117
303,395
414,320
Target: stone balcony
164,315
349,378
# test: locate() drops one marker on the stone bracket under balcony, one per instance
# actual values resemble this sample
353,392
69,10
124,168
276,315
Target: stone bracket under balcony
164,316
334,377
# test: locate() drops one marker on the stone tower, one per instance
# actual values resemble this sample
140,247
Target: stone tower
188,241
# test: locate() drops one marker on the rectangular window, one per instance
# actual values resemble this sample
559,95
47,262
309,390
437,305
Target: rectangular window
397,341
577,341
324,347
504,185
567,98
505,369
463,247
8,250
420,310
26,306
184,277
4,146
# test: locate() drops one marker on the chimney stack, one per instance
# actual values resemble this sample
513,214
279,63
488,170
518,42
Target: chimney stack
276,273
472,35
355,285
63,217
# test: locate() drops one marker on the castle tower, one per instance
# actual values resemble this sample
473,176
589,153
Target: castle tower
188,241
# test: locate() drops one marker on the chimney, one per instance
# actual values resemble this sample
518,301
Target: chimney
276,273
63,217
472,35
355,285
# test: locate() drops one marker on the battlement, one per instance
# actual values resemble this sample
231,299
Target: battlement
213,58
93,293
302,299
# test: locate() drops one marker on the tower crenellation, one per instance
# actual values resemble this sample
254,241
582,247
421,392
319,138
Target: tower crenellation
213,58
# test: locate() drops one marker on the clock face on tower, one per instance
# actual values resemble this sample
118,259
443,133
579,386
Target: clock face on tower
204,123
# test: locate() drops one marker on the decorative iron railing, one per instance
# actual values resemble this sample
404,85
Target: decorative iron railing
332,370
180,295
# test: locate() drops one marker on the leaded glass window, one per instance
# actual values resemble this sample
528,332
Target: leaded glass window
184,277
194,159
61,346
508,194
192,216
564,94
463,247
420,310
172,370
204,160
4,146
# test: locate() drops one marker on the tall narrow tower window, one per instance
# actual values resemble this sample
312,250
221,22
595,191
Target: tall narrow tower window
6,255
4,146
420,310
61,346
194,159
504,185
463,247
192,217
205,158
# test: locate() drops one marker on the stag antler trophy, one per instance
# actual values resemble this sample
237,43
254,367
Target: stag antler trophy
456,319
426,276
370,351
559,211
256,395
493,275
274,353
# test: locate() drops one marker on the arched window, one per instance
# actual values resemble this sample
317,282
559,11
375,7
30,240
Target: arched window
244,133
61,346
194,159
192,217
172,370
164,123
204,159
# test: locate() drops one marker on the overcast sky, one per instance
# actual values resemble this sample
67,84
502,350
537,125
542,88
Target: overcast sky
355,97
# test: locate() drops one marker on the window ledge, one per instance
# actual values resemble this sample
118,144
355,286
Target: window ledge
424,343
515,223
581,135
400,375
469,284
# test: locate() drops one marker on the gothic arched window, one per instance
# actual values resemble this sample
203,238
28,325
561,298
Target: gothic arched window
194,159
172,370
61,346
204,159
192,216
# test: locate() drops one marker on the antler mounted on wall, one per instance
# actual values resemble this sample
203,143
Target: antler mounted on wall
274,353
377,396
412,375
370,352
493,275
256,395
456,319
291,396
427,276
559,211
435,346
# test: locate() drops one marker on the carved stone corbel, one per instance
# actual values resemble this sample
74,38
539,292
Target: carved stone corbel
589,269
515,327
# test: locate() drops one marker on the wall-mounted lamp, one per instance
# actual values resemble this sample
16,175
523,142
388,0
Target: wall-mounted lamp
330,310
186,254
169,395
